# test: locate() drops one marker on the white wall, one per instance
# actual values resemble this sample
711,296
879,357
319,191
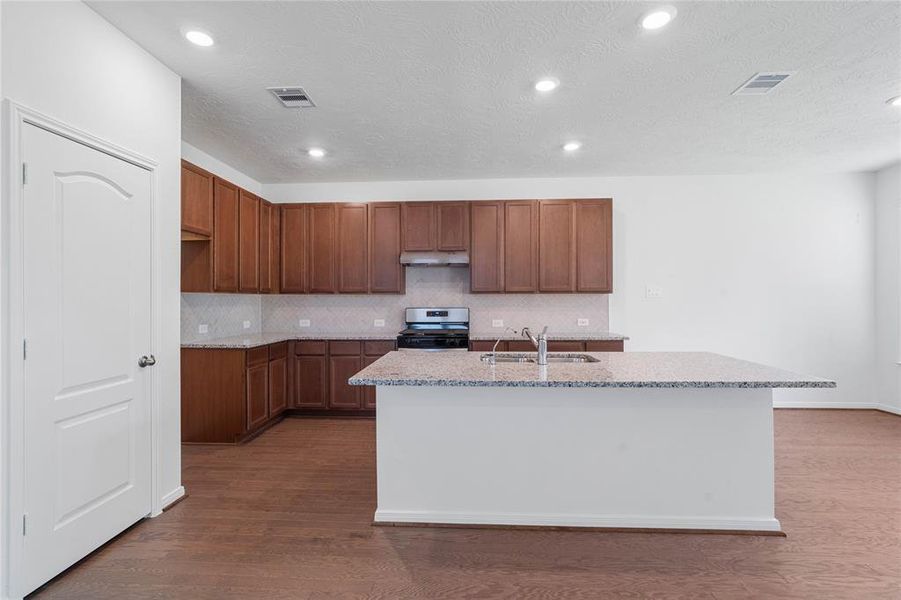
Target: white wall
65,61
217,167
771,268
888,288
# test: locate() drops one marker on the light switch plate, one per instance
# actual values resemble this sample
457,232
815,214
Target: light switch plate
652,291
246,324
378,323
203,328
497,322
303,323
583,322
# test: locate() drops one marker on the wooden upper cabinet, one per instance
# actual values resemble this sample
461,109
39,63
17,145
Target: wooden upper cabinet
249,243
196,200
594,246
322,254
452,226
352,248
293,247
419,226
225,236
486,256
521,246
265,236
386,274
274,248
556,246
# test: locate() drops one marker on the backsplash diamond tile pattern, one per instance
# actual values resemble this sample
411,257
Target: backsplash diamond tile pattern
223,313
334,313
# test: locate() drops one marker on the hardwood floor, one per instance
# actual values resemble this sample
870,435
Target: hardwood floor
287,516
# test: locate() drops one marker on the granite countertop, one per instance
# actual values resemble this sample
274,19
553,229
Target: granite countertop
614,369
254,340
590,336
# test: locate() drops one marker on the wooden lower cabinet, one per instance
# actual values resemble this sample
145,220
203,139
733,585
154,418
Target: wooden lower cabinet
227,394
342,395
257,395
552,346
310,381
278,378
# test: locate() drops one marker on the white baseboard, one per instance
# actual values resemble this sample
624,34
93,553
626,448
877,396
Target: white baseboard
172,496
895,410
807,404
841,405
552,520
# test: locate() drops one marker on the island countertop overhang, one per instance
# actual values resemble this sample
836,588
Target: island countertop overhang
613,370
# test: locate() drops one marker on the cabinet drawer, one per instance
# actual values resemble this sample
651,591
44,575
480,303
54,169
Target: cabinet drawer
344,347
561,346
309,347
520,346
377,348
486,346
257,356
604,346
279,350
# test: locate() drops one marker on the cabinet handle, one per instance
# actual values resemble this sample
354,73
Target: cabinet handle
147,361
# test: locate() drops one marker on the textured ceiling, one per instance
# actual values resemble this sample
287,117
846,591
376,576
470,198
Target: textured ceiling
443,90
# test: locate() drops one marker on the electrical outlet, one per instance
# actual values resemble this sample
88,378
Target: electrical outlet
497,322
246,324
652,291
303,323
583,322
378,323
203,328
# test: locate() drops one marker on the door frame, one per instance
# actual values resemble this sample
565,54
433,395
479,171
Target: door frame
12,394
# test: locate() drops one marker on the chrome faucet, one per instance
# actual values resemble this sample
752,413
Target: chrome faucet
540,343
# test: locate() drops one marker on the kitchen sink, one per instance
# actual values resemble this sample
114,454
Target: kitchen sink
532,357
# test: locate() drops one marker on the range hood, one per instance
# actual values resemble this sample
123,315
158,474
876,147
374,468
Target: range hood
434,259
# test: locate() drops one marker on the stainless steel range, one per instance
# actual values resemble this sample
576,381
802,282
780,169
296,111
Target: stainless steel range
435,329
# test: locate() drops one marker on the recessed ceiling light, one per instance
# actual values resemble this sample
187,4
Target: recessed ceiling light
316,152
547,84
199,38
658,18
896,101
572,146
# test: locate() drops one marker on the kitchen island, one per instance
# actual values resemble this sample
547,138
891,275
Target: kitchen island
638,440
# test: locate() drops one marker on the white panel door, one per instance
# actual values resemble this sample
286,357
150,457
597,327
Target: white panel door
87,322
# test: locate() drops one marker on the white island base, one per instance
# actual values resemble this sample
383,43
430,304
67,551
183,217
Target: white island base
648,458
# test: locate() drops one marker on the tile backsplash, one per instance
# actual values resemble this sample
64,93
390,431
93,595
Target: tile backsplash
340,313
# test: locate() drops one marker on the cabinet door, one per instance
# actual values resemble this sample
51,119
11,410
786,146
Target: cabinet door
310,381
249,243
257,395
274,248
487,346
521,246
293,249
594,246
225,236
452,226
353,249
604,346
556,246
341,394
265,258
278,383
196,200
369,390
486,257
419,226
386,274
321,262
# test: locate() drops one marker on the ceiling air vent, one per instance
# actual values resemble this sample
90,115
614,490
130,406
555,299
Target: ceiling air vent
292,97
761,83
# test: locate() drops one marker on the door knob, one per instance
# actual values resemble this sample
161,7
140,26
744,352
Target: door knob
147,361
